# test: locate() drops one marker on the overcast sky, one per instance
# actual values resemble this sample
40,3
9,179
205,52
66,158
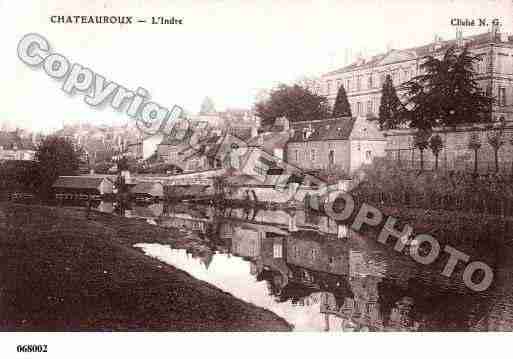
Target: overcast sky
225,49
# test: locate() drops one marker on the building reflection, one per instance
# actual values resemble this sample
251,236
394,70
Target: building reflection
311,261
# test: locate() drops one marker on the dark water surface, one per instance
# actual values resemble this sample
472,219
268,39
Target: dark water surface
318,275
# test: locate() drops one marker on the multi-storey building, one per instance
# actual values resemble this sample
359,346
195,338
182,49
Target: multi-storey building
363,79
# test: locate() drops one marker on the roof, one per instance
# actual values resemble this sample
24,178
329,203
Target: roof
323,130
10,139
79,182
148,188
420,51
270,141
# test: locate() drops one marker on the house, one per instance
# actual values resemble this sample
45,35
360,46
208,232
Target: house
14,147
144,190
82,185
343,144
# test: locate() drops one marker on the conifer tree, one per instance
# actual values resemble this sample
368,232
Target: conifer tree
390,106
341,107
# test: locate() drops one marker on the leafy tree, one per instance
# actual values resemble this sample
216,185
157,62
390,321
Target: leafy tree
494,137
436,145
207,107
294,102
57,156
341,107
389,107
446,93
474,143
421,141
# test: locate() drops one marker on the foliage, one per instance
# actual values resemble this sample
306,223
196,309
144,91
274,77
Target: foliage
495,137
391,185
341,107
207,107
296,103
421,141
446,92
57,156
436,145
390,106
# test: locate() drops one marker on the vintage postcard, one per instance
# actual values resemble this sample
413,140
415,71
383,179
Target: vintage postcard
253,166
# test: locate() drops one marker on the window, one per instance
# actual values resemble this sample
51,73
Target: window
359,108
296,155
328,85
296,251
313,153
502,96
368,156
348,85
278,250
331,157
369,106
370,81
406,75
358,83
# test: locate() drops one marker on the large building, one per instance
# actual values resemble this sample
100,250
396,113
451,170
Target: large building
364,78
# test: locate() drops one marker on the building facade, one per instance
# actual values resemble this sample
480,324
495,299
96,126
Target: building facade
340,144
363,79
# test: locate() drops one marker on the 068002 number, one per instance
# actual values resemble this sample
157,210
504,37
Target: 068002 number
32,348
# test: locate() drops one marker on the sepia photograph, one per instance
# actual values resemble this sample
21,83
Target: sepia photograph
310,169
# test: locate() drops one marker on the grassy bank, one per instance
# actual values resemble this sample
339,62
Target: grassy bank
62,272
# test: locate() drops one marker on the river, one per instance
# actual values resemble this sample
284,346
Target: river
319,275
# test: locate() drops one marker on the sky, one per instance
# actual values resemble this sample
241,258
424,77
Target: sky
227,50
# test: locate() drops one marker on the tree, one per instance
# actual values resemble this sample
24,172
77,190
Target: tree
446,92
294,102
474,143
421,141
341,107
57,156
389,107
436,145
207,107
494,137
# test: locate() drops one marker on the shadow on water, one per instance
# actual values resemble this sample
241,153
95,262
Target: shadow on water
319,275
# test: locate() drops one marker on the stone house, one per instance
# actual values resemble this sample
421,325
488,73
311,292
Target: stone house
343,144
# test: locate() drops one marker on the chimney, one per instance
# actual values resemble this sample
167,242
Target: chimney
459,37
495,31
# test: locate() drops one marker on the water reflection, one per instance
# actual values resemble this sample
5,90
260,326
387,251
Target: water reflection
319,275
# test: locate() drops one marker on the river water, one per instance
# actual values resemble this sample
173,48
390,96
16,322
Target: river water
319,275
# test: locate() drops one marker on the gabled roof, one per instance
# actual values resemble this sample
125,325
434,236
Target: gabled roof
323,130
79,182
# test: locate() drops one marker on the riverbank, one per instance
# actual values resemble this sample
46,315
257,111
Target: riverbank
62,272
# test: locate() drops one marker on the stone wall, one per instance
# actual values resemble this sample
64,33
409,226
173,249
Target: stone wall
456,154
